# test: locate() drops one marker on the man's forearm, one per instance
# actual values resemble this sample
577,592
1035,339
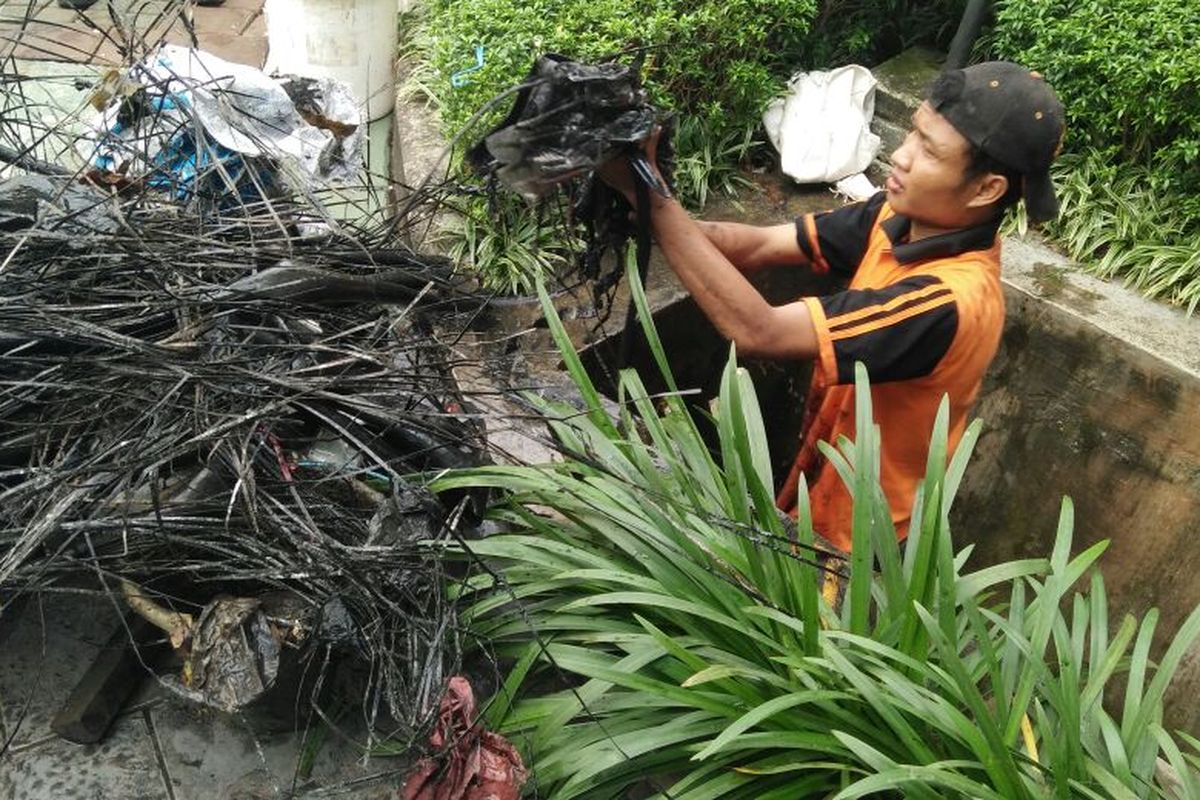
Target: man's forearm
753,247
727,298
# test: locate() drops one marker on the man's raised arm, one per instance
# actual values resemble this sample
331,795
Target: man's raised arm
754,247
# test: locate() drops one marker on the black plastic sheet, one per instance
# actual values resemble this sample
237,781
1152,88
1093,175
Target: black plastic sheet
567,120
52,203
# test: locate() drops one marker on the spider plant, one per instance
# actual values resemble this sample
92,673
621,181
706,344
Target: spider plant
509,247
667,636
709,161
1118,224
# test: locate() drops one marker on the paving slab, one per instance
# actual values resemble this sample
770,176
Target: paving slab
161,746
48,649
112,34
209,754
122,766
49,100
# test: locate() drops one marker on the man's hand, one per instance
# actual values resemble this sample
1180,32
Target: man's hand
730,302
618,173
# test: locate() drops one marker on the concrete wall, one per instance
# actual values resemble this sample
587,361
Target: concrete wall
1094,394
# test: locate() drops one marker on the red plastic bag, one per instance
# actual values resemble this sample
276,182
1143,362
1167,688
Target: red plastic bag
477,764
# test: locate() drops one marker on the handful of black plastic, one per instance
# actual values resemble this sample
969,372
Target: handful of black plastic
568,119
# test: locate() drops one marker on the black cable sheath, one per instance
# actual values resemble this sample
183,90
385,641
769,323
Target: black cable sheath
642,195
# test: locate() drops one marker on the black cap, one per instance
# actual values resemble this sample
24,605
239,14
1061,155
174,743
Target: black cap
1012,115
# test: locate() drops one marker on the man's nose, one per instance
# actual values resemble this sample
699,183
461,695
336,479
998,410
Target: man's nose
901,156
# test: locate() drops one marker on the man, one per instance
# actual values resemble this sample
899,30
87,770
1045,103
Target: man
924,307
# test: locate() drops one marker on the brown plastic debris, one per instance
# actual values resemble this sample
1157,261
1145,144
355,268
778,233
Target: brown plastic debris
472,763
234,655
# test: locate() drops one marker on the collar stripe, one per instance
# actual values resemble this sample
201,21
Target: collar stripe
944,245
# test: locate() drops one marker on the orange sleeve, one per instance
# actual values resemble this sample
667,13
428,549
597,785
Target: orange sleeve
814,244
826,359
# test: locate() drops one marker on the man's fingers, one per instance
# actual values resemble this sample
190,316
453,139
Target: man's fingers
652,145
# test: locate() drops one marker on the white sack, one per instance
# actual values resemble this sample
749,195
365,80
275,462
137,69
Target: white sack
822,127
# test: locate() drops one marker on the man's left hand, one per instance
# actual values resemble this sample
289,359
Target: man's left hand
618,173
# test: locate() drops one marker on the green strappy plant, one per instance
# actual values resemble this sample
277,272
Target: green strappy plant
666,634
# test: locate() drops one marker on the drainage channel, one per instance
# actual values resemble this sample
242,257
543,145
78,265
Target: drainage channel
697,354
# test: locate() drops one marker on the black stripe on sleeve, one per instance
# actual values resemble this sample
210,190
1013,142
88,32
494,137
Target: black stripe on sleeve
802,240
837,305
843,233
909,348
891,311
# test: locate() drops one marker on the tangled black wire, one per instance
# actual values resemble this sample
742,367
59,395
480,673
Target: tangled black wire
239,397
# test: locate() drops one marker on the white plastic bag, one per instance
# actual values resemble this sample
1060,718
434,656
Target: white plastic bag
822,127
240,108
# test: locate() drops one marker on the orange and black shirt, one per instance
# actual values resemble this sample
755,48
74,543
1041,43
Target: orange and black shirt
925,319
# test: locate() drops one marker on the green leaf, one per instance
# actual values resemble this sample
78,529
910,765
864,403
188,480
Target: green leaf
1115,789
500,704
806,587
1139,662
759,715
958,464
974,584
1104,666
1184,772
918,781
1043,620
866,506
1151,704
997,757
595,408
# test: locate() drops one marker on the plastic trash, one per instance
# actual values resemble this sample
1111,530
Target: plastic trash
855,187
192,124
822,127
476,764
463,76
569,119
53,203
233,657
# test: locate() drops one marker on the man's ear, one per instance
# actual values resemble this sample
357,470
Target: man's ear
991,187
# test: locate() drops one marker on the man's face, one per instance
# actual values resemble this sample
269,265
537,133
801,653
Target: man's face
927,182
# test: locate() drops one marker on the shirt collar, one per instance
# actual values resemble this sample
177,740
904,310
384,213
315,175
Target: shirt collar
944,245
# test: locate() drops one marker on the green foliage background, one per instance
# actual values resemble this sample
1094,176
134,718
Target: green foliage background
721,59
1128,72
666,631
718,57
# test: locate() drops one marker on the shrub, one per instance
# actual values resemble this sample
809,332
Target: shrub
1128,72
509,246
661,584
720,59
871,31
